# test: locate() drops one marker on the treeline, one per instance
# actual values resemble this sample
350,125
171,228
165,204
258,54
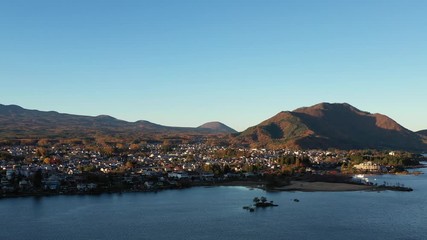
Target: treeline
386,158
117,142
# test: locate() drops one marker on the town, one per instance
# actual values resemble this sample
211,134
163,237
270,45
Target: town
73,168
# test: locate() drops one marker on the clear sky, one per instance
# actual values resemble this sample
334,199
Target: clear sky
183,63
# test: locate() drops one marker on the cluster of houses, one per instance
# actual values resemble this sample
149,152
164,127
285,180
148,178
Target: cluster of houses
369,166
78,170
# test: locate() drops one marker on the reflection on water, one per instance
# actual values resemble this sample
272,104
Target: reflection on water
216,213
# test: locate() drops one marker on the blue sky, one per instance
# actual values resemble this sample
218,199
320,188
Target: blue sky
183,63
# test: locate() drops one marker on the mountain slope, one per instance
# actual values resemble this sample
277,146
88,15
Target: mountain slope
328,125
423,132
217,127
17,122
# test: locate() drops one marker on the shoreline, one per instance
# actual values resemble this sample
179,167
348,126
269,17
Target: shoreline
301,186
317,186
323,187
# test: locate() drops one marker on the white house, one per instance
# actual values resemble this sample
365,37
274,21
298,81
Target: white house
368,166
178,175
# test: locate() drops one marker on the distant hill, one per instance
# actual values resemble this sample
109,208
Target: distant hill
17,122
327,125
217,127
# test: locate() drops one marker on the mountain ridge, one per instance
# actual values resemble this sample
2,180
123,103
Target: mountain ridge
321,126
331,125
18,122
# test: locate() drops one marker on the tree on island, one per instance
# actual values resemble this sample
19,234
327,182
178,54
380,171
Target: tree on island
263,199
262,202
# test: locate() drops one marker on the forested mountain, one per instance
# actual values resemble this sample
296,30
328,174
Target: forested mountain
327,125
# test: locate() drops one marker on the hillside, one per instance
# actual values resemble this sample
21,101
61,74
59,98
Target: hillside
217,127
326,125
17,123
423,133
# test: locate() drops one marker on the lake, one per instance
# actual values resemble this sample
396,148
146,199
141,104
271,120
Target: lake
216,213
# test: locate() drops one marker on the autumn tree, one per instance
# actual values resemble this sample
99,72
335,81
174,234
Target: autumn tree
41,151
43,142
134,147
107,150
129,165
47,160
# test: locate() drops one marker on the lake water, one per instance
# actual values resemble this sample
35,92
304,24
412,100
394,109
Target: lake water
216,213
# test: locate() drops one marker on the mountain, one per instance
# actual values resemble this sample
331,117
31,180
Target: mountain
423,133
217,127
17,122
331,125
321,126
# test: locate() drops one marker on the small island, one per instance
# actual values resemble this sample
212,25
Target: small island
261,202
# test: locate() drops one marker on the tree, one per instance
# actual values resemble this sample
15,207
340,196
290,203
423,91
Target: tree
88,168
5,155
226,168
107,150
297,162
120,147
216,169
134,147
43,142
37,179
256,200
189,157
129,165
41,151
47,160
207,167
